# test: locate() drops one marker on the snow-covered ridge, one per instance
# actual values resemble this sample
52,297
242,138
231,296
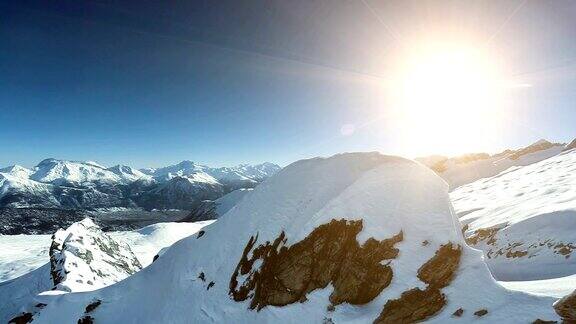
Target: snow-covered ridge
421,268
524,218
458,171
214,209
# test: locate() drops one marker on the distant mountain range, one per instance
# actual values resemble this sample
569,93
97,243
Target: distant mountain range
66,184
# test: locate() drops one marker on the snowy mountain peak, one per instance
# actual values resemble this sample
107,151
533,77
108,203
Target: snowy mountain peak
17,171
128,173
541,142
63,172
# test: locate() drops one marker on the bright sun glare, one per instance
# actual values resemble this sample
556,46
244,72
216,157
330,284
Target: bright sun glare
448,100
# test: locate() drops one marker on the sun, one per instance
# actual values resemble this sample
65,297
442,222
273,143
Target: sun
447,100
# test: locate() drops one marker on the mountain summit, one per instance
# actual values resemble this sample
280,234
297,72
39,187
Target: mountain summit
377,243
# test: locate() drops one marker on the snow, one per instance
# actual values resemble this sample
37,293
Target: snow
461,170
75,184
555,287
535,209
17,171
458,174
25,268
129,174
84,258
21,254
62,172
202,173
226,202
388,193
148,241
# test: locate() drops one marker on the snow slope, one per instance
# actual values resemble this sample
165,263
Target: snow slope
391,199
129,174
524,219
25,268
469,168
213,209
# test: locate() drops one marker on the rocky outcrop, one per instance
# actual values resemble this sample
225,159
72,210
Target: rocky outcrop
566,308
413,306
416,304
83,257
487,235
22,319
330,254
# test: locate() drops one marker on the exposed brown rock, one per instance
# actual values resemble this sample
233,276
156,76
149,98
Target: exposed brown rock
22,318
458,312
540,321
439,271
200,234
516,254
201,276
566,307
330,254
481,312
414,305
483,234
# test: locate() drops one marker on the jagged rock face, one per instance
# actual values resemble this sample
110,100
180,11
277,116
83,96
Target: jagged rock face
330,254
566,308
416,304
83,257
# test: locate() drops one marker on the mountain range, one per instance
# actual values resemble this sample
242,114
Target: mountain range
66,184
378,243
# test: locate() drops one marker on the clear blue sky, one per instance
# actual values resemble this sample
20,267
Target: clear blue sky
148,83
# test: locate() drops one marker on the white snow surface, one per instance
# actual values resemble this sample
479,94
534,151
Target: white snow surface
25,268
389,194
77,172
458,174
129,174
229,200
535,209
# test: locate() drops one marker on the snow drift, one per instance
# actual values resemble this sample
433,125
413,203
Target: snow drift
352,238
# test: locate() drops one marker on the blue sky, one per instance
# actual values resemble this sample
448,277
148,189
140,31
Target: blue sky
150,83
